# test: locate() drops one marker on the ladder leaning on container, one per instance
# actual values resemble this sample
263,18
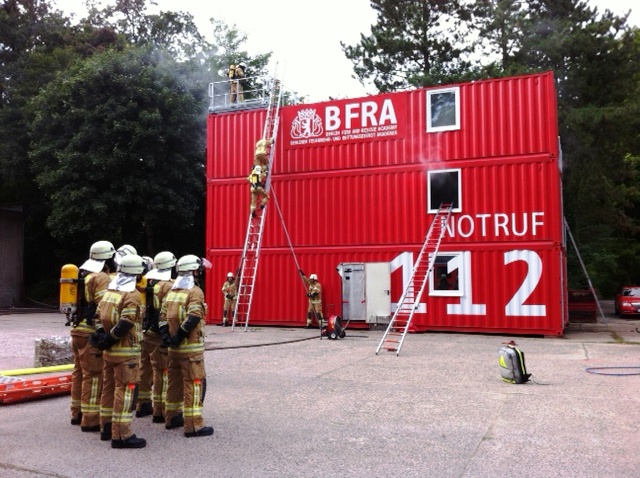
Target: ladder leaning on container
396,332
249,261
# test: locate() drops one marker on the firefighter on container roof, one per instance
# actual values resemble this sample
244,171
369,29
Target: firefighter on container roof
258,180
153,361
229,291
236,74
314,293
86,378
120,313
182,329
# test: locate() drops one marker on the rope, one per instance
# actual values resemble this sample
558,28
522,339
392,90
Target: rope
603,370
286,233
295,259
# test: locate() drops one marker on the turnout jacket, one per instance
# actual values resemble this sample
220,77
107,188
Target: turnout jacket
176,307
119,305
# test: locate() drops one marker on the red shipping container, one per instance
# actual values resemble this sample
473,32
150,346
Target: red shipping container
359,181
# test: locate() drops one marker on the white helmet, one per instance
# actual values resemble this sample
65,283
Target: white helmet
164,260
148,263
257,169
230,275
101,251
188,263
313,277
131,264
124,250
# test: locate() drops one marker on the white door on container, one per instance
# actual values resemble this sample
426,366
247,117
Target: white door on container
353,304
377,290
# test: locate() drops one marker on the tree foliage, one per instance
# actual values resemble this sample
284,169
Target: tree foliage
117,148
414,43
102,125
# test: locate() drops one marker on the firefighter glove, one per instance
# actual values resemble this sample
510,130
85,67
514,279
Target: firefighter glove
102,340
165,337
178,337
97,338
229,296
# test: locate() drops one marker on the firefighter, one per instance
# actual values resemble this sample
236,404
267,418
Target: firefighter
236,74
258,180
86,378
182,327
229,292
261,157
314,293
153,359
124,250
120,312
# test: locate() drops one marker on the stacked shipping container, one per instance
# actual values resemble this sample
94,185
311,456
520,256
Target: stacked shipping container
358,180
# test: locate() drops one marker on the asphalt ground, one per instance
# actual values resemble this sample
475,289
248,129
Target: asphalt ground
284,403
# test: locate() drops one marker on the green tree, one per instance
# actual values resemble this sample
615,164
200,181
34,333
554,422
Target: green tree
118,149
414,43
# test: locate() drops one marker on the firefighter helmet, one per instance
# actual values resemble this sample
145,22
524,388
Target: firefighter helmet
230,275
313,277
188,263
126,249
101,251
257,169
148,263
131,264
164,260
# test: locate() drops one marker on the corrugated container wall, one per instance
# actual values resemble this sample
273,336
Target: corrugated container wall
359,180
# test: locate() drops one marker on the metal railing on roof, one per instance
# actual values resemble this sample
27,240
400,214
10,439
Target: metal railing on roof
255,94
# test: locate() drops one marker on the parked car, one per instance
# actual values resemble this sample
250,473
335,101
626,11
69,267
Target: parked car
627,301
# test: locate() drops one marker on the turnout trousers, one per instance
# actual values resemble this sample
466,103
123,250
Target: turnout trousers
119,390
186,390
86,381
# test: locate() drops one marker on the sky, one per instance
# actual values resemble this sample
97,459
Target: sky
304,35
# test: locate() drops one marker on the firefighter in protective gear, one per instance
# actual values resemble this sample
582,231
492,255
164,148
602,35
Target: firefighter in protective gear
120,313
124,250
153,360
229,292
236,74
261,155
182,327
314,293
86,378
258,181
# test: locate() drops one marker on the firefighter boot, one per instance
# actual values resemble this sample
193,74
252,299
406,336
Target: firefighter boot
77,420
203,432
105,434
175,422
131,442
158,419
309,320
144,410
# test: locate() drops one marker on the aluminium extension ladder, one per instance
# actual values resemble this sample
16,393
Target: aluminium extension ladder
249,261
396,332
